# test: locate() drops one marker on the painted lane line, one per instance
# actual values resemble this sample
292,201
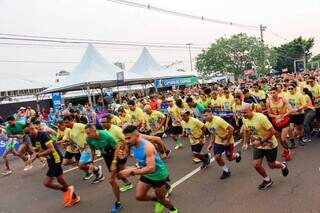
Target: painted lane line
189,175
74,168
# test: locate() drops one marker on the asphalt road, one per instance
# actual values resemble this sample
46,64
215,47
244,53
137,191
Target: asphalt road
203,192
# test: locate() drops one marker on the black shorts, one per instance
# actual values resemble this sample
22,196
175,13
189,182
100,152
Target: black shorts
153,183
196,149
69,156
297,119
55,170
175,130
270,154
317,113
160,135
108,155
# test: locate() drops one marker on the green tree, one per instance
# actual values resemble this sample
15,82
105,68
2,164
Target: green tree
233,55
293,50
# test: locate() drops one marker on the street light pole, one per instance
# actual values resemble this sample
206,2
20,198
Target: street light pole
262,29
189,45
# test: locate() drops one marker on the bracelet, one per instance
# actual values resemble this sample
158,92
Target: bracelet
114,161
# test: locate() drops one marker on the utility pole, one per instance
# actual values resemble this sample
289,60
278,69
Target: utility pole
189,45
262,29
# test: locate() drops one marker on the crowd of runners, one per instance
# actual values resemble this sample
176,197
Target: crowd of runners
260,114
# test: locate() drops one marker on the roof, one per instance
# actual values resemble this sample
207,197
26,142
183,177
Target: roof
10,84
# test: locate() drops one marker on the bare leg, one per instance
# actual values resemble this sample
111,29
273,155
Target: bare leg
142,192
258,166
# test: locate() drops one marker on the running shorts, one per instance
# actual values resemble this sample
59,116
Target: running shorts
218,149
153,183
55,170
70,155
175,130
297,119
270,154
196,148
317,113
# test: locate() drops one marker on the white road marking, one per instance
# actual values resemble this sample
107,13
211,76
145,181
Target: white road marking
190,174
74,168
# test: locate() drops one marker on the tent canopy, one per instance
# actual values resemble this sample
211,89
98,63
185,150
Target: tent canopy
148,67
93,71
11,84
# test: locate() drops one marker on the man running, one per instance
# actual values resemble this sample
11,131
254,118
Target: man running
153,172
103,141
54,159
154,121
14,130
221,140
175,129
192,128
261,133
279,111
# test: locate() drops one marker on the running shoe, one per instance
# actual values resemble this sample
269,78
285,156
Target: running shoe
98,180
88,176
67,196
196,160
98,153
168,153
265,184
306,140
206,162
301,142
238,159
126,187
6,172
287,156
225,175
174,211
116,207
284,153
285,170
28,167
168,189
74,201
158,207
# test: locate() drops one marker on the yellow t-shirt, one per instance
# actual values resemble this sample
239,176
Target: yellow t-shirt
216,103
259,126
218,127
283,94
66,136
193,128
125,119
78,134
116,120
236,108
116,132
152,121
315,90
260,94
226,103
296,100
175,115
136,115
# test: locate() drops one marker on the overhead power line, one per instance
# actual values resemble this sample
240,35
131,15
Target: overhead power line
277,35
185,15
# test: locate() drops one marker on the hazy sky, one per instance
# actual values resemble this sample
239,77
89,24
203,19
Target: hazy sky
100,19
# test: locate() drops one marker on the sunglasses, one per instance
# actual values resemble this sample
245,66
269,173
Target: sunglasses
290,88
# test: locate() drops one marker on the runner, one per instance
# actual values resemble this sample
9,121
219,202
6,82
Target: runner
136,114
261,133
297,103
153,122
14,130
192,128
153,172
279,112
54,159
221,140
174,128
314,87
103,141
309,114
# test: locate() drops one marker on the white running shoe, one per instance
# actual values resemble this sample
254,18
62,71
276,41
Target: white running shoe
6,172
28,167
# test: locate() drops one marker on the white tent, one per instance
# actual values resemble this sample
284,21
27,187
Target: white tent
93,71
148,67
12,84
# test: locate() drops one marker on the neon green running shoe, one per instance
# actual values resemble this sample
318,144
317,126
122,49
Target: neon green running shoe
126,187
175,211
158,208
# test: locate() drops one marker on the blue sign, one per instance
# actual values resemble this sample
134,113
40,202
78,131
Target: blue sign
3,146
175,81
56,100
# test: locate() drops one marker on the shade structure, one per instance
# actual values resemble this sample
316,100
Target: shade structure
148,67
12,84
93,71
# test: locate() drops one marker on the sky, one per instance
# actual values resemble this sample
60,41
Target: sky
104,20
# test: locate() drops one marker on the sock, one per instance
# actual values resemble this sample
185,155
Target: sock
237,155
267,178
225,168
172,209
117,203
74,195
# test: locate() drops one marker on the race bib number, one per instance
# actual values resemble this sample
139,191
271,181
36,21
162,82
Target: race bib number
292,103
212,130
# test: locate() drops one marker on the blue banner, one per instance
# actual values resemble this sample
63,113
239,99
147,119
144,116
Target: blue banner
56,100
3,146
175,81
